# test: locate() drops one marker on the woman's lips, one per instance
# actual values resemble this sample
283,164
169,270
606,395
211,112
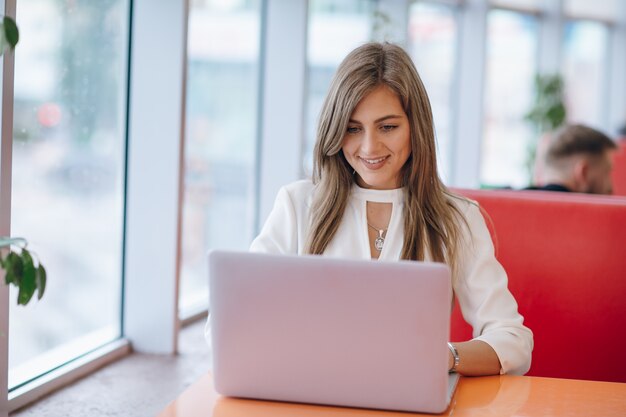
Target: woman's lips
374,163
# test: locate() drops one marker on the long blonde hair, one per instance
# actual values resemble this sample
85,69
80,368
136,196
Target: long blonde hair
431,219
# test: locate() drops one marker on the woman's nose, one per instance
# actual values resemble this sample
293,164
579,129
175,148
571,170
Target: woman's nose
370,143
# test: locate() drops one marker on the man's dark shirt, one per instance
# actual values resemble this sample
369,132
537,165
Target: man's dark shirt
550,187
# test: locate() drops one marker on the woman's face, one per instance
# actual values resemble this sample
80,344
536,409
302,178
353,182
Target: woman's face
377,142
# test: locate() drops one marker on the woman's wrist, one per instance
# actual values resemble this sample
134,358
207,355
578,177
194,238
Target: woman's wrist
453,358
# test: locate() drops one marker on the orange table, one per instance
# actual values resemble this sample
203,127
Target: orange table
485,396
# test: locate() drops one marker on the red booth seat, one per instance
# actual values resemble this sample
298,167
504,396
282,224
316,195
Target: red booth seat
565,256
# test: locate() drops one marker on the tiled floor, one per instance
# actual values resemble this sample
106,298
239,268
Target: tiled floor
138,385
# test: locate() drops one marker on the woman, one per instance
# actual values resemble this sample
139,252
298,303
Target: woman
376,194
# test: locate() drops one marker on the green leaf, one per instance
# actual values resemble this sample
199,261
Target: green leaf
15,268
11,31
28,284
8,277
41,281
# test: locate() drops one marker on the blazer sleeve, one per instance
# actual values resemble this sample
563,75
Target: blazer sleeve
485,300
279,234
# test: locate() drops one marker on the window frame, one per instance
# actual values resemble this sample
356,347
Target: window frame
144,28
6,150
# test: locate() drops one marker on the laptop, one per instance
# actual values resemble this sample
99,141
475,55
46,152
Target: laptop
313,329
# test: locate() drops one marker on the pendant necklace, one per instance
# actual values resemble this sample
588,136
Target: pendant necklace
380,240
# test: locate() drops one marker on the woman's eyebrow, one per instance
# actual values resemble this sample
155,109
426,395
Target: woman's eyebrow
380,119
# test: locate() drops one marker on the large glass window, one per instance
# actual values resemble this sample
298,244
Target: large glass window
222,94
585,71
432,43
68,177
335,28
512,40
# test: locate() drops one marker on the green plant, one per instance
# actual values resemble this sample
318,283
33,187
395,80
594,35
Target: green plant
9,34
22,269
548,111
381,26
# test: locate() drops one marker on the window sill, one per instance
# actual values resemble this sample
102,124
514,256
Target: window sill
68,373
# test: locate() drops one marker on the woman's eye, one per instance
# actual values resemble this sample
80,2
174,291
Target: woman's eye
353,129
387,128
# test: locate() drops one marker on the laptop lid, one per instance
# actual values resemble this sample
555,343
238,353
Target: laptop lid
330,331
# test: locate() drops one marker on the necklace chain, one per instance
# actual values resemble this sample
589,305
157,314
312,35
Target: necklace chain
380,240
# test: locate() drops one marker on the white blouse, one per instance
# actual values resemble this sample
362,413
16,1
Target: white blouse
481,287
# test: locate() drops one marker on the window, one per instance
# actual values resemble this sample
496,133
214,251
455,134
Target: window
335,29
220,142
432,43
68,177
511,64
585,69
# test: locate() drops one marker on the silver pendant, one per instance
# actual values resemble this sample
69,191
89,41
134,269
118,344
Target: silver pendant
379,242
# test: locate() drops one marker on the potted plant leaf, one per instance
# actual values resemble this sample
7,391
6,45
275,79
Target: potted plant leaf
548,111
9,34
22,269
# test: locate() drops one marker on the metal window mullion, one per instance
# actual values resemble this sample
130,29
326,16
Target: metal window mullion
6,149
283,97
468,131
154,174
453,98
615,86
551,38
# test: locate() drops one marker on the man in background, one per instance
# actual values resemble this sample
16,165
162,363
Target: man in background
577,159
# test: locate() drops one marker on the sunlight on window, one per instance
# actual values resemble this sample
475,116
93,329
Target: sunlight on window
511,64
585,72
432,43
68,177
222,90
335,29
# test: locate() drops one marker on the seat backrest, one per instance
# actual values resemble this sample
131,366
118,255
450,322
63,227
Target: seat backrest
619,169
565,256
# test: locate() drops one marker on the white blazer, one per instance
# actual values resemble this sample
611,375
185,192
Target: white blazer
481,286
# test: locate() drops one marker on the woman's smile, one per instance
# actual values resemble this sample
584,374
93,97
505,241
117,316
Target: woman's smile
374,163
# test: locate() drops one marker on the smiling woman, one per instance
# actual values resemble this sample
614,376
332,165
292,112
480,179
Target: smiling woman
376,194
377,142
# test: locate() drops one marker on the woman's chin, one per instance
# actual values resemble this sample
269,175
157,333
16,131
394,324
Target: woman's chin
375,182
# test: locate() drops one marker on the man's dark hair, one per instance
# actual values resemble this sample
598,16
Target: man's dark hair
576,140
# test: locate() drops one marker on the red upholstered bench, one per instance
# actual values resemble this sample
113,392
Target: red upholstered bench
565,255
